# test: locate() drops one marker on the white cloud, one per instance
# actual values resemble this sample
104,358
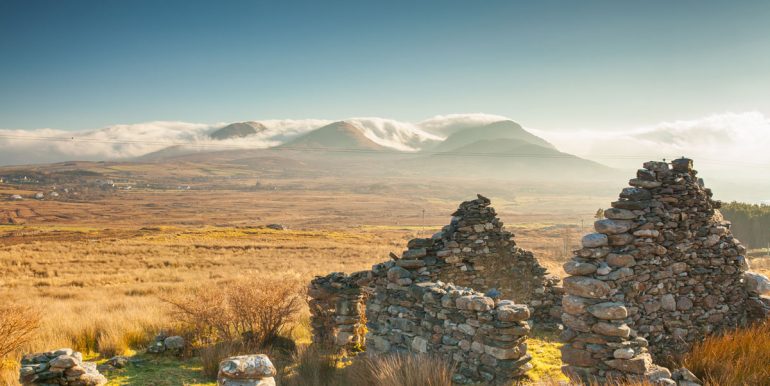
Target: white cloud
729,150
728,141
134,140
114,142
394,134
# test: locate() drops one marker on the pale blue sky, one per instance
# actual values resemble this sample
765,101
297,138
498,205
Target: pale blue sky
548,64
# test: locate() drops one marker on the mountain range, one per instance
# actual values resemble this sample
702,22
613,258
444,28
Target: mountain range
499,149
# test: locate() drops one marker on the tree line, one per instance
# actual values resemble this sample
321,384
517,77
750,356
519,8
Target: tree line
750,223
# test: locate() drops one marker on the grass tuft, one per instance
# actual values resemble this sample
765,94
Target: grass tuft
741,357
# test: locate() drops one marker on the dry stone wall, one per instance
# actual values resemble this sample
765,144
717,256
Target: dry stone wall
660,273
337,314
485,337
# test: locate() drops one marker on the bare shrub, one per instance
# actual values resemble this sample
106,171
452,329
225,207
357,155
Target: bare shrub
205,312
17,327
741,357
257,310
399,370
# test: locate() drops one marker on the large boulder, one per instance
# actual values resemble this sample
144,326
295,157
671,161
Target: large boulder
174,343
246,370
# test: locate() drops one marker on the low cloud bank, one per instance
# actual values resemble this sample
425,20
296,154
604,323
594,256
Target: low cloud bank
726,141
730,150
732,142
134,140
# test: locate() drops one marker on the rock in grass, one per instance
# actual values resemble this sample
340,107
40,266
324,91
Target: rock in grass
245,367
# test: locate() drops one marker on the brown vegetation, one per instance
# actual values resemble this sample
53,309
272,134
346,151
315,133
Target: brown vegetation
740,357
17,326
312,368
256,310
399,370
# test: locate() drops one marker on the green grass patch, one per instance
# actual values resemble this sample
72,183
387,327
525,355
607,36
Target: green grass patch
544,346
160,371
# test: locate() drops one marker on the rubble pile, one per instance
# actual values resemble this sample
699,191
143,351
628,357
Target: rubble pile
63,367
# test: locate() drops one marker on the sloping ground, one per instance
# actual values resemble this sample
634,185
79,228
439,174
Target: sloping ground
509,159
338,136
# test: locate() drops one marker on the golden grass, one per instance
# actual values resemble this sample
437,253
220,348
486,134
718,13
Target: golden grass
101,293
311,367
398,370
741,357
99,289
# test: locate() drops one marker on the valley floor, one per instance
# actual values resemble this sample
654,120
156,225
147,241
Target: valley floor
99,271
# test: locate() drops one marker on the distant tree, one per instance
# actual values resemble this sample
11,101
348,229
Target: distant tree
750,223
599,214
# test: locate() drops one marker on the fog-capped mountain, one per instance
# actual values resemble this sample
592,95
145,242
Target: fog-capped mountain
337,136
506,129
441,145
729,146
238,130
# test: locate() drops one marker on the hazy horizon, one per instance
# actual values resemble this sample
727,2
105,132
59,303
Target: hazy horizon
727,148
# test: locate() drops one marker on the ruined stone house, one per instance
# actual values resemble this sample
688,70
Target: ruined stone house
472,256
661,272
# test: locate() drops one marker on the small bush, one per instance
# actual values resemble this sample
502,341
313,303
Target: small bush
741,357
17,327
255,309
399,370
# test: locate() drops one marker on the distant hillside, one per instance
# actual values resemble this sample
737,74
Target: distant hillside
492,131
506,159
169,153
238,130
337,135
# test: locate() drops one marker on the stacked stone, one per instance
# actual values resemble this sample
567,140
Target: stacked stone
485,337
246,370
663,270
63,367
167,344
337,310
475,251
758,302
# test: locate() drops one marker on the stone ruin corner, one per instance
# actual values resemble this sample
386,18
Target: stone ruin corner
661,272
